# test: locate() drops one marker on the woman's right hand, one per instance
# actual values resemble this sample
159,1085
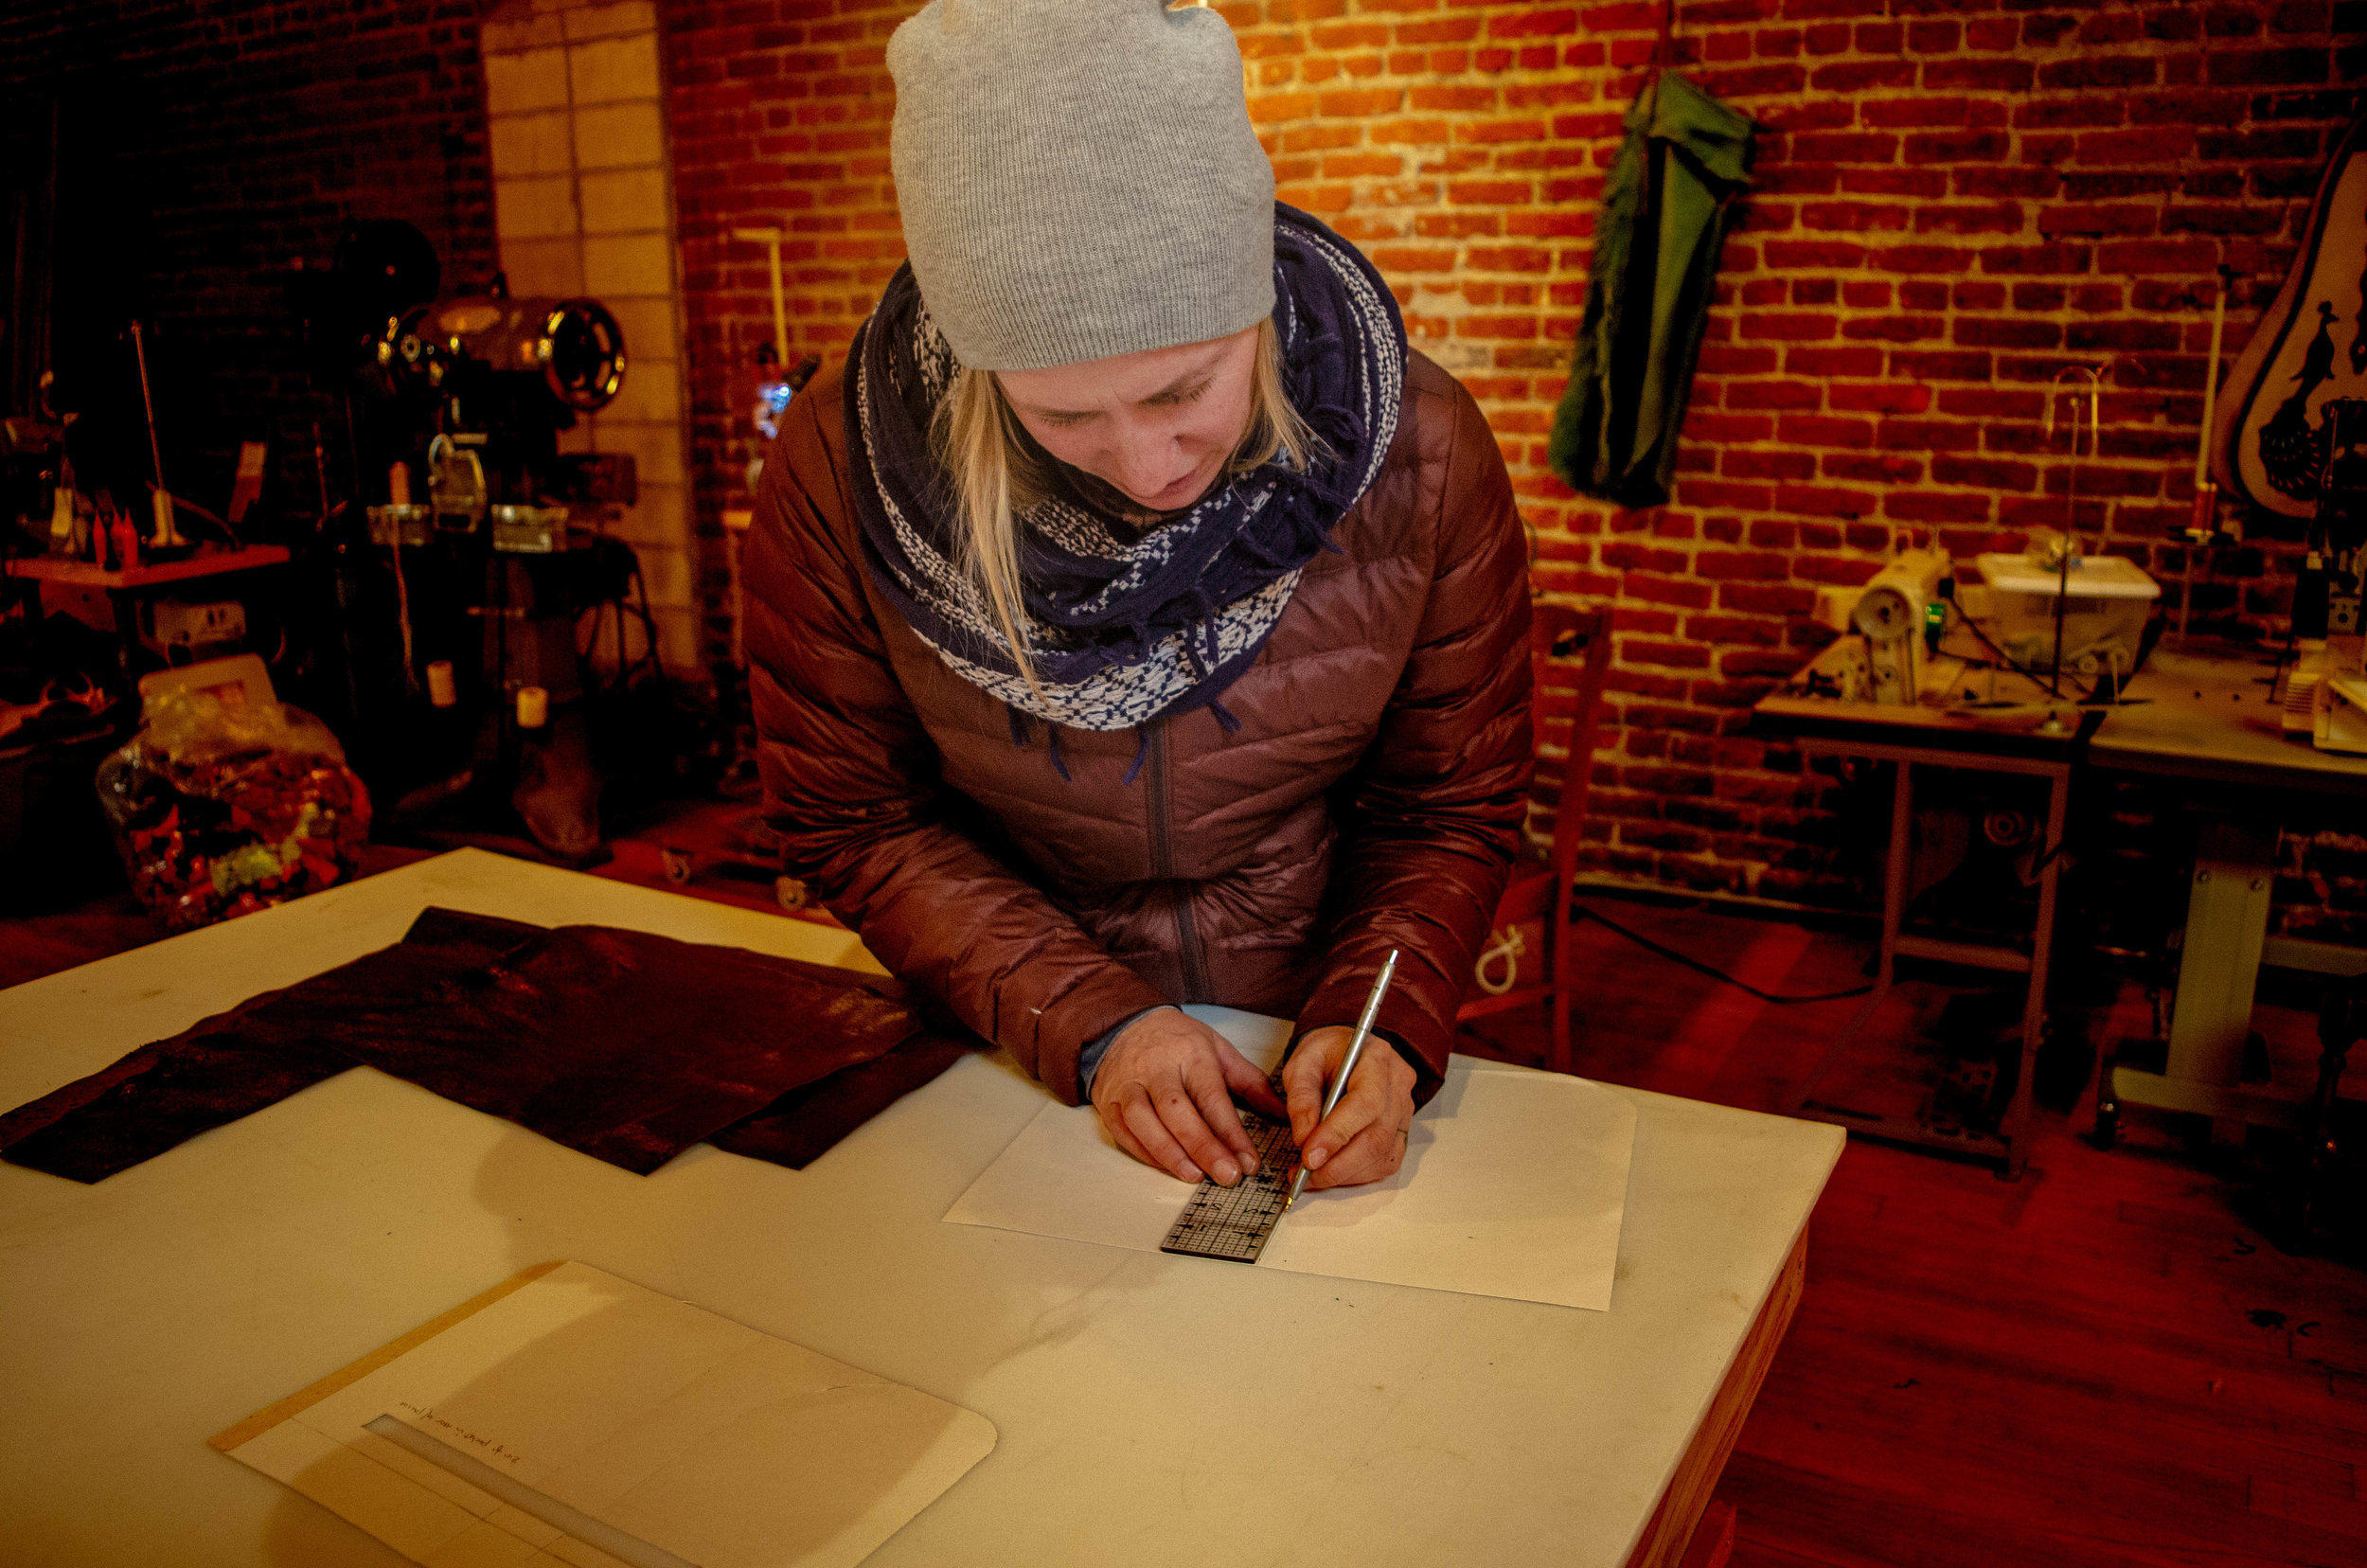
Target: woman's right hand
1165,1089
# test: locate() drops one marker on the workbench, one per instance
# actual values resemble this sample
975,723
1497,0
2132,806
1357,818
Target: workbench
1150,1409
2031,742
2210,722
2202,715
127,588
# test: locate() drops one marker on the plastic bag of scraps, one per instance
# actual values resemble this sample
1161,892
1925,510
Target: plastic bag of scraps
224,810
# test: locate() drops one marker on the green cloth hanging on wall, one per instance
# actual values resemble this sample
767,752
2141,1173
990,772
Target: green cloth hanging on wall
1685,158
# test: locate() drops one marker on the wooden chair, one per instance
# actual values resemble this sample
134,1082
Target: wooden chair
1568,657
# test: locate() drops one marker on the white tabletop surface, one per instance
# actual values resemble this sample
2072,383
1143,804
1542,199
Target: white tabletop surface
1152,1410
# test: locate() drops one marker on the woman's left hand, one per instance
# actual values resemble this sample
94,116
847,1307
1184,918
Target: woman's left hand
1364,1137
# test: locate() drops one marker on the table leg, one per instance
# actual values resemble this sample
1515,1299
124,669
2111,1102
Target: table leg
2017,1128
2227,918
2227,921
1896,866
127,611
2341,1023
1671,1526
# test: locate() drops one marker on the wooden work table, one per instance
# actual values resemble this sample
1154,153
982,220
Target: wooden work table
2025,735
1151,1409
148,574
2208,712
119,593
2202,717
2210,725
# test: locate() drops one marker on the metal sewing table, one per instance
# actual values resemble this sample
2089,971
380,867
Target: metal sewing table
126,589
2017,742
2202,714
2209,721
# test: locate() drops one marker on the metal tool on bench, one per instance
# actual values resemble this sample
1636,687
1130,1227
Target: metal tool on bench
1231,1222
2324,693
1347,1064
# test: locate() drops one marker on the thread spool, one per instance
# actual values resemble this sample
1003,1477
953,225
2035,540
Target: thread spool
168,535
399,485
534,708
441,692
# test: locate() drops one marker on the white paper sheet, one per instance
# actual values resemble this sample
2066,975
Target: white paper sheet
688,1437
1514,1185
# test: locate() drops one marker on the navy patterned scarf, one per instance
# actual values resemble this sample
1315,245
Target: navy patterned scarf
1128,623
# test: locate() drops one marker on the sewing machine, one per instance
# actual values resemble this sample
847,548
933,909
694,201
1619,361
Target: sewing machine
1889,617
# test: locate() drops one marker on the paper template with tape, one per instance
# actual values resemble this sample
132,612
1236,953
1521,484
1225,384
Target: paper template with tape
1514,1185
582,1419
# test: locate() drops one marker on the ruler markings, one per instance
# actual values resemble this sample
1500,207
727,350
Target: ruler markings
1232,1222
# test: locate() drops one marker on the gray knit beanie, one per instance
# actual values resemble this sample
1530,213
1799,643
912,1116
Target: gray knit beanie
1078,178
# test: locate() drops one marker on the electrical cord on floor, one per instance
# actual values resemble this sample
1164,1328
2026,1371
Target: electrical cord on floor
1695,964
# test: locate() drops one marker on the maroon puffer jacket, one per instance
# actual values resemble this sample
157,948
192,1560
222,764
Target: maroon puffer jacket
1372,796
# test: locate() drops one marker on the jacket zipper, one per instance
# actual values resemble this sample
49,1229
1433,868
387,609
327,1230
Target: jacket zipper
1163,865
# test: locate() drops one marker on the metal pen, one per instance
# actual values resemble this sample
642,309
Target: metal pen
1356,1049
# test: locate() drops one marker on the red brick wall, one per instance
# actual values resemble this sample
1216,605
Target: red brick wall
231,138
1952,203
780,120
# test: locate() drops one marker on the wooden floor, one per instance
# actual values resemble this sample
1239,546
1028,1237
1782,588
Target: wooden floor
2101,1365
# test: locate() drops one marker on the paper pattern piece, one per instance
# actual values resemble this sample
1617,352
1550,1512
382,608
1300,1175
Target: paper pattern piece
1514,1185
612,1425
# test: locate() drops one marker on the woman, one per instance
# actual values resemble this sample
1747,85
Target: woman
1135,620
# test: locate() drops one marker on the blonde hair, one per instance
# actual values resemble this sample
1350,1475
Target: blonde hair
995,476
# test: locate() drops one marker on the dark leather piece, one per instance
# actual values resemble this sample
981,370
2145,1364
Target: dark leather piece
802,1125
158,1096
627,1046
238,1063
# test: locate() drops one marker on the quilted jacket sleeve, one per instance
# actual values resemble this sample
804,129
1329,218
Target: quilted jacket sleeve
850,780
1430,820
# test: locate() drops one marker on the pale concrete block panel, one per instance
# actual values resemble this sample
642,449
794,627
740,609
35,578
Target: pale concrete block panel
514,28
626,200
611,70
517,83
652,390
539,268
615,135
650,335
539,207
661,518
633,16
629,264
532,144
667,575
678,639
657,449
676,642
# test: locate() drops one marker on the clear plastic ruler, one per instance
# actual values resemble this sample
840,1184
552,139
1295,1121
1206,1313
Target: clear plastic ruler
1232,1222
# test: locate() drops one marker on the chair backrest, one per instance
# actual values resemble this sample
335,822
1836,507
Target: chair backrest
1569,658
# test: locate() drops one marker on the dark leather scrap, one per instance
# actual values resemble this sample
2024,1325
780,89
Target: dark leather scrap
238,1063
802,1125
625,1045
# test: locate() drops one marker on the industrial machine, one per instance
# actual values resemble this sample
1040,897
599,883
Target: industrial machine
478,551
1887,627
2321,684
2069,624
1892,613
